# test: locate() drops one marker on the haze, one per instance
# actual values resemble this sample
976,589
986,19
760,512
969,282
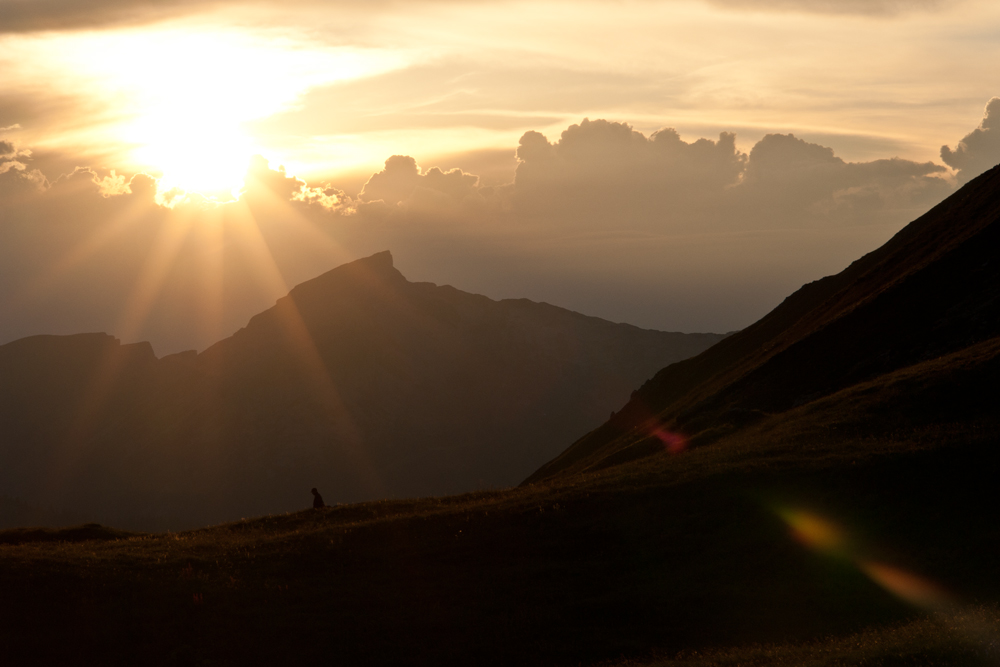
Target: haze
168,171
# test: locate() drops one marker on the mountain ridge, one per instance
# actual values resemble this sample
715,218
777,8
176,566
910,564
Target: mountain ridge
358,381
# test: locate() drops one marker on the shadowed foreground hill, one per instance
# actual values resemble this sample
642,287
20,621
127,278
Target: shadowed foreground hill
359,382
838,501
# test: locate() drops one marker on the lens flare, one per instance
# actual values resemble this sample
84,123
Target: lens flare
674,443
814,531
906,585
824,536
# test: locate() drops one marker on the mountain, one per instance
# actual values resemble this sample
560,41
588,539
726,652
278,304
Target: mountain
819,489
359,382
904,341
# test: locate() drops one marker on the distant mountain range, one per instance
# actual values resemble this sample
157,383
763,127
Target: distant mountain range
358,382
903,344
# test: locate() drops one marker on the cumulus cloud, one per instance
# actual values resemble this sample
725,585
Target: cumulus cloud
265,185
402,177
260,176
791,180
402,190
601,171
659,230
980,149
602,174
17,180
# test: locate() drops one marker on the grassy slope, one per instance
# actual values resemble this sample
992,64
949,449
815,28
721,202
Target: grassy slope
666,554
966,637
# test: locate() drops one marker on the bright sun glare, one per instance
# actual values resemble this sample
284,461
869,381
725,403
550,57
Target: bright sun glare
188,94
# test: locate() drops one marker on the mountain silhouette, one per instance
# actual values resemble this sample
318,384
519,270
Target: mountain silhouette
819,488
358,381
904,341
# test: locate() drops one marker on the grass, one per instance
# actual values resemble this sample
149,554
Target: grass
968,637
680,555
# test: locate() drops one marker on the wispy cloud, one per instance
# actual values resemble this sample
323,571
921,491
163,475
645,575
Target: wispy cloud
859,7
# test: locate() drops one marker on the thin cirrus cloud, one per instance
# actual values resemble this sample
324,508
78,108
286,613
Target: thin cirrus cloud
861,7
45,15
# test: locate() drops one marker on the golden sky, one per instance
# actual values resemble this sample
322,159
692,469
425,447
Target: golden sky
325,87
187,92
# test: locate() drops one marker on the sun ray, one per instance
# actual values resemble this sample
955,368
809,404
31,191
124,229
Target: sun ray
211,297
172,235
93,243
308,358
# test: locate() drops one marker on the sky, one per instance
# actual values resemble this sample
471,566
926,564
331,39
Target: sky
168,169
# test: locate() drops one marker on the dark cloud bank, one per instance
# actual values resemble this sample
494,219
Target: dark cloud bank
653,230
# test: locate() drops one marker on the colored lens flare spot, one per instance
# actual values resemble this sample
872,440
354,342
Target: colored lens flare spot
814,531
906,585
674,443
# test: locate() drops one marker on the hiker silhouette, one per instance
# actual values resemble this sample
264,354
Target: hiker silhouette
317,500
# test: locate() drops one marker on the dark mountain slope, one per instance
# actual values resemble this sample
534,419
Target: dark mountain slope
358,382
932,290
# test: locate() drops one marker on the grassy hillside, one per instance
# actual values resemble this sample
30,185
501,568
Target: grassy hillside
669,554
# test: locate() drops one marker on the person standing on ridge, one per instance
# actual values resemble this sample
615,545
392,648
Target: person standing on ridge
317,500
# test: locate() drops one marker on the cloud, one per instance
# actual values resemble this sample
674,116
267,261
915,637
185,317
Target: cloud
862,7
606,170
657,230
606,175
45,15
18,181
401,177
7,149
980,149
40,15
267,186
260,176
94,250
792,181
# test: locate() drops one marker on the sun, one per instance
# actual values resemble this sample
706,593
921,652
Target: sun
196,154
180,98
193,92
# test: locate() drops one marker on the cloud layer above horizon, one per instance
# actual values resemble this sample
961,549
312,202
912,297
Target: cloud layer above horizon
606,220
767,143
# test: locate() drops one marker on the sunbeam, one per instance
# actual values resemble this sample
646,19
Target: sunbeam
310,362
